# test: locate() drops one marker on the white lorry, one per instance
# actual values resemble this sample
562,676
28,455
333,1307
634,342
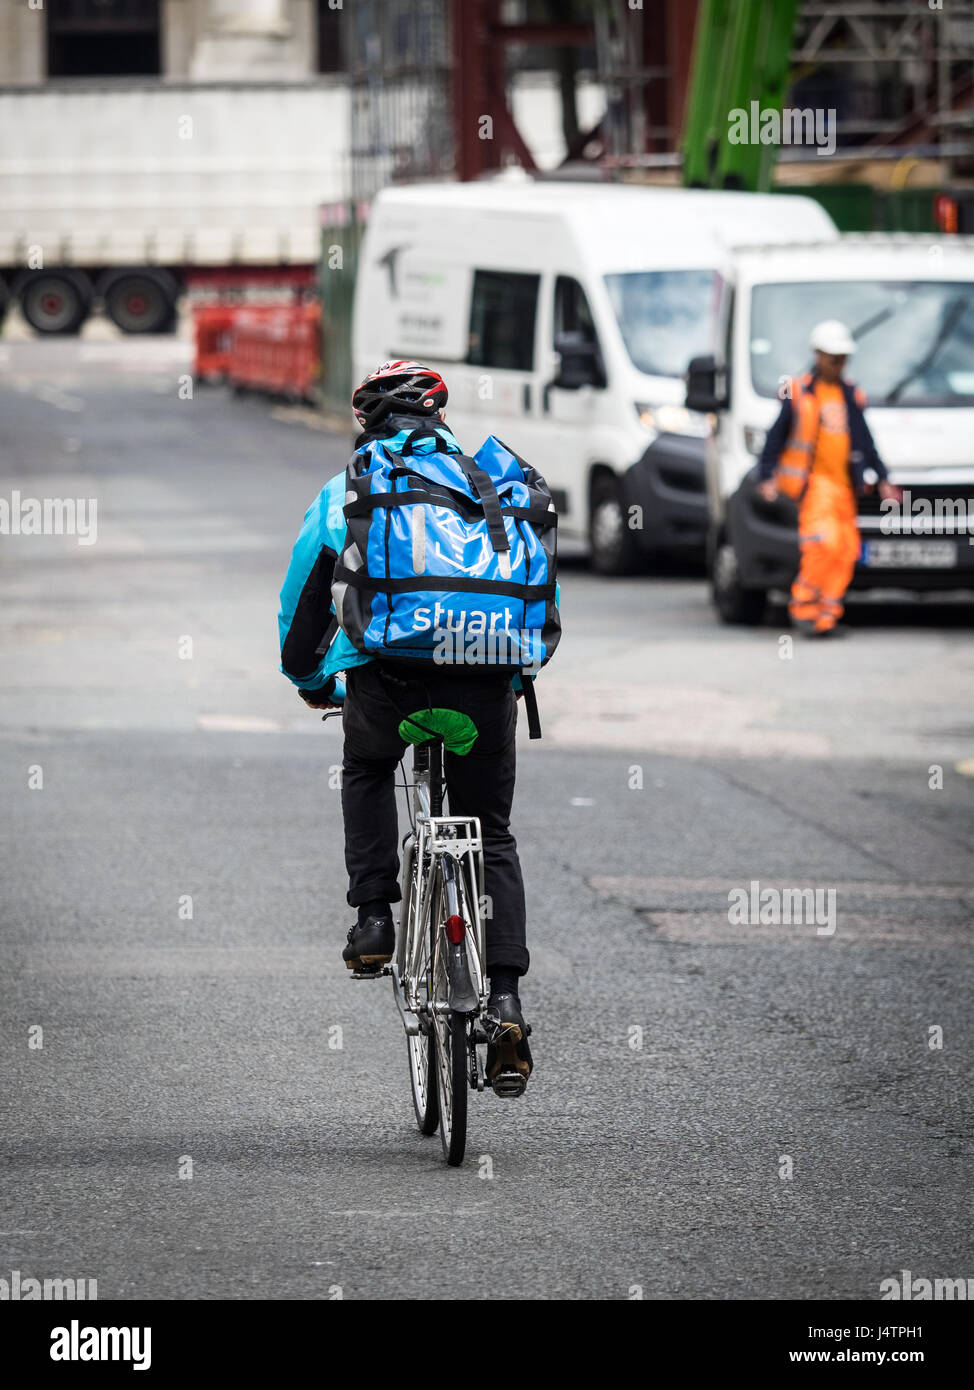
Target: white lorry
909,303
124,193
563,317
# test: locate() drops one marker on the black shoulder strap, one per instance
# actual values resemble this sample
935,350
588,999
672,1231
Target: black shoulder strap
480,481
483,486
531,705
421,432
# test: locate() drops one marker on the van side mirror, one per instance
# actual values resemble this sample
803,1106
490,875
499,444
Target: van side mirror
706,385
579,364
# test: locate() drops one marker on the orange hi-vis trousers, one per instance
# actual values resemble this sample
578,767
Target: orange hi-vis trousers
829,541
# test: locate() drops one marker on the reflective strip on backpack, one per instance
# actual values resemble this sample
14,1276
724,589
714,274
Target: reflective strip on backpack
417,526
351,560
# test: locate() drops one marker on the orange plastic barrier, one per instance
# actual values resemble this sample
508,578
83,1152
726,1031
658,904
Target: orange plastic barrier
213,333
276,349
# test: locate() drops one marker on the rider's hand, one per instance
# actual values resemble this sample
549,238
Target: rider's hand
768,489
319,699
889,492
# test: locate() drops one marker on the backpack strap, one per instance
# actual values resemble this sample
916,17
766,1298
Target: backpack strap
480,481
483,485
530,705
421,432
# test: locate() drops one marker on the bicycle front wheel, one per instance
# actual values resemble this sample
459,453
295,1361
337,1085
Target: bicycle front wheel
422,1075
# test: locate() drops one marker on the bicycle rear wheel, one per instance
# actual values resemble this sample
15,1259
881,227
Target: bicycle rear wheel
450,1032
421,1047
452,1084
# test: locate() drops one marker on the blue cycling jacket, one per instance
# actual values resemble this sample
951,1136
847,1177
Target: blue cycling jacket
313,647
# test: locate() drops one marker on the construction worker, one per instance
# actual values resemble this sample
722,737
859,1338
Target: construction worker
816,453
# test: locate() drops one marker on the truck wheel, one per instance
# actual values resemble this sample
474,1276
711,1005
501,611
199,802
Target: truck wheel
611,542
139,304
4,301
53,303
734,604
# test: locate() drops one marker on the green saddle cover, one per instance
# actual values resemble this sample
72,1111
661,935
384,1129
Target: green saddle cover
458,731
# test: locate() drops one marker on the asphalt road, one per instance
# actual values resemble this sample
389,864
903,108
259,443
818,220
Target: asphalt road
719,1110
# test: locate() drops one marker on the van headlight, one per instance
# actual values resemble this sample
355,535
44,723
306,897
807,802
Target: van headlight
754,439
674,419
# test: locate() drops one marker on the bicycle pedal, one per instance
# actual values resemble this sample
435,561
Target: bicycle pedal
375,974
509,1084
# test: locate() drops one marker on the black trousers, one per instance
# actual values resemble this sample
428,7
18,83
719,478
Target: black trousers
481,783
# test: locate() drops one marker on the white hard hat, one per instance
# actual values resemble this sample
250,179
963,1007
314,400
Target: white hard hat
832,336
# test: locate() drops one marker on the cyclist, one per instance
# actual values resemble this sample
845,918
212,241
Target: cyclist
389,405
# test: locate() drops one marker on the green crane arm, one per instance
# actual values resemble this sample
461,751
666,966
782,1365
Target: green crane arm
741,62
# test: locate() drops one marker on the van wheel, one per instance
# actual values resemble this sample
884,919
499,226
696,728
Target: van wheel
611,542
734,604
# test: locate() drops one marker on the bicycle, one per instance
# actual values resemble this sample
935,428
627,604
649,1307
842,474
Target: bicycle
438,975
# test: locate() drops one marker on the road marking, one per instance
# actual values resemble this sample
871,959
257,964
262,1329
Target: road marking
61,400
632,887
237,724
966,768
409,1211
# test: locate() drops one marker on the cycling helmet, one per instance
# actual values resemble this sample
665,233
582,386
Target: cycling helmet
406,386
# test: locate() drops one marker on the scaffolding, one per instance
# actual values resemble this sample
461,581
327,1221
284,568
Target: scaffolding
643,58
898,73
915,60
399,76
399,71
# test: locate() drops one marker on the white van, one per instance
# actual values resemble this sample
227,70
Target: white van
909,303
563,317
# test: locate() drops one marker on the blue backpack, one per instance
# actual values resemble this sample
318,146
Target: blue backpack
449,559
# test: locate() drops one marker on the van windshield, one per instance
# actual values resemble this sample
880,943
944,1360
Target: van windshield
666,316
914,339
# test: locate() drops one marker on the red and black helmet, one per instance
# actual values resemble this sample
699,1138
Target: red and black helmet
406,386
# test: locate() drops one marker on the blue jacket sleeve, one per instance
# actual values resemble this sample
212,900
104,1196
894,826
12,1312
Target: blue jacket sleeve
306,621
775,441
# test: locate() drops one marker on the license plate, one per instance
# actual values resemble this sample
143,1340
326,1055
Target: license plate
919,555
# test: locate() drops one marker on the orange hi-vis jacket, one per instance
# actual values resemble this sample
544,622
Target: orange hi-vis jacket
790,446
795,462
